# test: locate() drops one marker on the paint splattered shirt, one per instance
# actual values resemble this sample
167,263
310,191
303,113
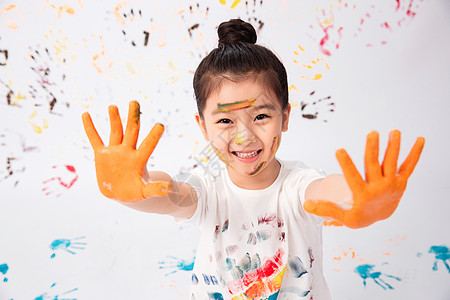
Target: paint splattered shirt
258,244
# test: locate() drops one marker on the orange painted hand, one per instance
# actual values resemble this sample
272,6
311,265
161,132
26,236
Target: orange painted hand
377,197
119,166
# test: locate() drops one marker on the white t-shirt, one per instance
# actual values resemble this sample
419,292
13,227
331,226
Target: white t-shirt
257,244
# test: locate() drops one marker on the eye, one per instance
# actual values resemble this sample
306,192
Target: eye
261,117
224,121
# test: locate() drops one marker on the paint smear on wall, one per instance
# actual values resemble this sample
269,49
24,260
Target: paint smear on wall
233,4
253,11
64,180
371,22
312,67
313,108
15,146
3,270
48,88
13,168
61,296
194,20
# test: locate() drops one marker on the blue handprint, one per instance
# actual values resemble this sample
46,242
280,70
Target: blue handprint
441,253
175,264
366,271
67,245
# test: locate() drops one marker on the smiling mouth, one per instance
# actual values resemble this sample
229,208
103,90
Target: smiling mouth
246,154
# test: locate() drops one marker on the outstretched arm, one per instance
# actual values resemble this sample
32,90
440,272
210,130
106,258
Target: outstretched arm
355,202
121,168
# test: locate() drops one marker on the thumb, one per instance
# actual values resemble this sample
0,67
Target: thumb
157,188
332,223
324,209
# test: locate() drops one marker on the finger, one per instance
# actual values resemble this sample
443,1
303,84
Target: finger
158,188
91,132
391,157
116,135
150,141
351,174
411,160
324,209
371,164
133,123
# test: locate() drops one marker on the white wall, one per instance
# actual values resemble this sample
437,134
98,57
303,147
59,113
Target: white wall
384,68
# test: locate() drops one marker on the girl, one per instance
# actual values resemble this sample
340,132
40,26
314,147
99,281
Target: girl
261,218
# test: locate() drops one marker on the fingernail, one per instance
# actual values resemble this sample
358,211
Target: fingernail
394,134
340,151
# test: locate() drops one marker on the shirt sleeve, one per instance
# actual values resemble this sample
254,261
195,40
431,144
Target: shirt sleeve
299,179
199,184
308,177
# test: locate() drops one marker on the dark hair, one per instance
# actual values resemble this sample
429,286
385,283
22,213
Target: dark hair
237,57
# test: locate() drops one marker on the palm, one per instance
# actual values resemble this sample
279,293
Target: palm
120,166
377,197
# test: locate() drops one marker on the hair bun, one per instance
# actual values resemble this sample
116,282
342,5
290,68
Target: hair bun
235,31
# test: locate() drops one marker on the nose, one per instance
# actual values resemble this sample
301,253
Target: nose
243,135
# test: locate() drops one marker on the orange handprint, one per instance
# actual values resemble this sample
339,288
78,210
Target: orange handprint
120,167
377,197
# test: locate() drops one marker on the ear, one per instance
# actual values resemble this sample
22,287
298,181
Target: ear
286,114
201,124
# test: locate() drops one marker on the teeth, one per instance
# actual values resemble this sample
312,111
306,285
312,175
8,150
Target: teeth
246,155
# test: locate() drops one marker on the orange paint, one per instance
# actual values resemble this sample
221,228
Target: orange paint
275,145
120,166
12,25
376,197
117,13
9,7
227,107
264,288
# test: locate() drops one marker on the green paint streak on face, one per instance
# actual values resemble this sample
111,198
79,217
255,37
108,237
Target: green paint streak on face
259,168
227,107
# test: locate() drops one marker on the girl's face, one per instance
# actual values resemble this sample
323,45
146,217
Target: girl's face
244,121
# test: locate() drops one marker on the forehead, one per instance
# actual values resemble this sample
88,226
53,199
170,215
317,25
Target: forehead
243,94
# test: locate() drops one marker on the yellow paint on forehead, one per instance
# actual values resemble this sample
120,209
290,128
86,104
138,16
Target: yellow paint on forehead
227,107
